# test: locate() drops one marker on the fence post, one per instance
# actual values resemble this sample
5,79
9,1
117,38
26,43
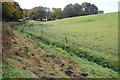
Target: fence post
42,33
66,39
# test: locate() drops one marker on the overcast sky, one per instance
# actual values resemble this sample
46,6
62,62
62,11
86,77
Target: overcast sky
106,5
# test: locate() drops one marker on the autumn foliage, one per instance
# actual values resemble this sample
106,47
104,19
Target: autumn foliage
11,11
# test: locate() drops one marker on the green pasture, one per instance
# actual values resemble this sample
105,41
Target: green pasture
93,37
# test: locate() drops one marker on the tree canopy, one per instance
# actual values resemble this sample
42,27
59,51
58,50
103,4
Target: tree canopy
57,13
89,8
11,11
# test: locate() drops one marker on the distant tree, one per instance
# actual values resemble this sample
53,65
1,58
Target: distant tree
25,13
77,9
57,13
39,13
44,13
89,8
49,16
11,11
32,14
85,7
94,9
68,11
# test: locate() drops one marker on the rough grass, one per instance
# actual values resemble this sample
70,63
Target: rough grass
94,70
11,71
96,36
100,59
97,32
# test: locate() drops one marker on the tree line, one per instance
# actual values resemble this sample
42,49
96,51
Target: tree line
13,12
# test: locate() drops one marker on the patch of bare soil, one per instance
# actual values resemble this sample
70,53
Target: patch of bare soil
28,58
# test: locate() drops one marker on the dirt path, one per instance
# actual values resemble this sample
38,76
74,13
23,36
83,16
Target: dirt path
36,63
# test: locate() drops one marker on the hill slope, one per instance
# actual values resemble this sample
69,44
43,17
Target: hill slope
96,32
72,47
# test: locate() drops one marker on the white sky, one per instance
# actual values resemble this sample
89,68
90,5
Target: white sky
106,5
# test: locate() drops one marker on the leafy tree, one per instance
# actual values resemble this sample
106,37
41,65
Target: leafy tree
48,14
57,13
77,9
94,9
89,8
25,13
68,11
11,11
44,13
38,13
85,7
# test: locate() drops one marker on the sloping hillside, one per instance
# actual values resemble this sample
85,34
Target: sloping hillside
23,60
82,47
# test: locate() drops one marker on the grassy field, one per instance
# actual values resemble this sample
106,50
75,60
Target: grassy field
91,41
97,32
